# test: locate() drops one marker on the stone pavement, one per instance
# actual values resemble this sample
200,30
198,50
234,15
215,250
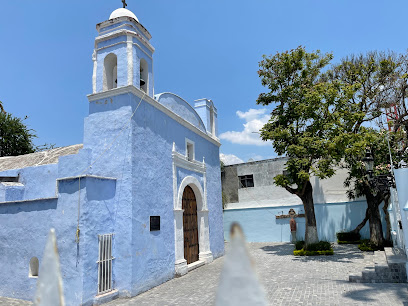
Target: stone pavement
288,280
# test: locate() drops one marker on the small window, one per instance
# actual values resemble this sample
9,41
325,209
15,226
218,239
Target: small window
105,263
154,223
190,150
246,181
33,269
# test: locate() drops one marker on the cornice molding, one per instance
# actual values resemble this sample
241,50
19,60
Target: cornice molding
124,32
26,201
134,22
86,176
181,161
141,94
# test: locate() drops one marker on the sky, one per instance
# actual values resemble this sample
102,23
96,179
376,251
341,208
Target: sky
204,49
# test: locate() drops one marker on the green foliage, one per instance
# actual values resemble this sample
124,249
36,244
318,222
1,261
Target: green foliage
15,137
348,236
299,245
368,78
304,122
367,246
222,165
348,242
357,180
224,200
312,253
320,248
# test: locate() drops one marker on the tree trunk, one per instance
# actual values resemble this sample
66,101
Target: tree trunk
361,225
387,218
374,218
310,218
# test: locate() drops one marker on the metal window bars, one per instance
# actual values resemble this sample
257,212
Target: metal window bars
105,263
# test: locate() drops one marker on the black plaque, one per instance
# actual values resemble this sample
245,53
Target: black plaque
154,223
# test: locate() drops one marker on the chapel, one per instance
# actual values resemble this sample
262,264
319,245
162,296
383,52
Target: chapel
134,205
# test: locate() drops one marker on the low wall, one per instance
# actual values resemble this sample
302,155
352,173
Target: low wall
261,225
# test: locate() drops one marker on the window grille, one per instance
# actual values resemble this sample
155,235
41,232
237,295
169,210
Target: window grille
246,181
105,263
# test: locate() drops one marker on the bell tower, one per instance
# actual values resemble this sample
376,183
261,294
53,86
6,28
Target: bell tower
123,54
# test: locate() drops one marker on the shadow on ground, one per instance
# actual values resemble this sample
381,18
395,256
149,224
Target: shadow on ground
366,294
342,253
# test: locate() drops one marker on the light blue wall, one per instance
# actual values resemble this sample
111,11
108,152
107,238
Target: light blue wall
24,230
261,225
146,160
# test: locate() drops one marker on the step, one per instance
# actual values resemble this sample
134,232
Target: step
395,256
386,266
195,265
355,278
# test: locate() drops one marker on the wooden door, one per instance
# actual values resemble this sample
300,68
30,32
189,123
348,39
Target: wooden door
190,226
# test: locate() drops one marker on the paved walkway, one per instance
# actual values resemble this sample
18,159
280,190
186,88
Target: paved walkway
288,280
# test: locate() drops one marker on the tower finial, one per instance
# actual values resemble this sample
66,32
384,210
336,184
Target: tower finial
124,3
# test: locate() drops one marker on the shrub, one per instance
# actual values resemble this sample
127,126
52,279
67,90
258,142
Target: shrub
299,245
366,246
320,248
349,242
348,236
312,253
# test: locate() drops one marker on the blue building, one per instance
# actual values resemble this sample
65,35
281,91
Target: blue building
138,203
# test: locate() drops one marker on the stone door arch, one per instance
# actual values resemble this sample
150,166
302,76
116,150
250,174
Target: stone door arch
202,225
190,226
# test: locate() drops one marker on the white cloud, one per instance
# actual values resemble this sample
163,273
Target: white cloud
230,159
251,114
255,119
256,157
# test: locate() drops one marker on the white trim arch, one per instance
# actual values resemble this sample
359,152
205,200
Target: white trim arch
205,254
198,192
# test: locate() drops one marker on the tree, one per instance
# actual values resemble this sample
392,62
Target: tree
15,137
369,76
361,185
304,122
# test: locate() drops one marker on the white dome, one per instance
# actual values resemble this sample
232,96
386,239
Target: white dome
122,12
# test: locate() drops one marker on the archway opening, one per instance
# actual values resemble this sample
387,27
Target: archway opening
190,226
34,267
144,75
110,72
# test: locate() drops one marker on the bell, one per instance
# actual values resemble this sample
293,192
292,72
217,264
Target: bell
142,82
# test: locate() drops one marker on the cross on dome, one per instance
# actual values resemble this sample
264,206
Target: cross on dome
123,12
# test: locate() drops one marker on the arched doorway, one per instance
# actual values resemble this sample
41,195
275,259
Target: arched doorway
190,226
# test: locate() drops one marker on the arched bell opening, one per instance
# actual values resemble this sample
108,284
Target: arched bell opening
144,75
110,72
